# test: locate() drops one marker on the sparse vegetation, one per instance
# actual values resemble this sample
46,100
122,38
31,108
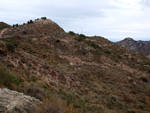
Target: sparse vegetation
30,22
144,79
10,47
80,38
71,33
2,27
107,51
55,105
35,92
24,32
15,25
92,44
11,44
7,78
82,35
142,105
44,18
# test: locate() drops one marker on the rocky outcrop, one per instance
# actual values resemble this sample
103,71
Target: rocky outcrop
142,47
14,102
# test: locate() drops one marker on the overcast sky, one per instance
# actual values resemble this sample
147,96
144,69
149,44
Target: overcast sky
112,19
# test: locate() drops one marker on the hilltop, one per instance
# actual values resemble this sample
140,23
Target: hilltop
88,74
142,47
4,25
38,28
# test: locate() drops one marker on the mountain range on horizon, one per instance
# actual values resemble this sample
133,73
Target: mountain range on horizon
141,47
71,73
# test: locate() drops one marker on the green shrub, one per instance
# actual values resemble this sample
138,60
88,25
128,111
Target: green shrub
79,39
11,44
7,78
30,22
94,45
2,27
82,35
10,47
35,92
144,79
107,51
44,18
15,25
142,105
55,105
24,32
71,33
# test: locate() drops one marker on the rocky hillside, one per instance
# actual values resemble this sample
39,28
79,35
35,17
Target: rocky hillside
88,74
142,47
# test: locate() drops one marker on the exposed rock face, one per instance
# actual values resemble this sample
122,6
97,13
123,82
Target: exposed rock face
142,47
14,102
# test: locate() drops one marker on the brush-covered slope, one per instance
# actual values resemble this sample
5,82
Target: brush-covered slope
41,27
4,25
142,47
90,73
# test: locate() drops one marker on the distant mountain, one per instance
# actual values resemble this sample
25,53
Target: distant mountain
142,47
4,25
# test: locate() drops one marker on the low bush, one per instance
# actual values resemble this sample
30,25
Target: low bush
107,51
7,78
82,35
80,38
35,92
71,33
11,44
10,47
144,79
44,18
2,27
55,105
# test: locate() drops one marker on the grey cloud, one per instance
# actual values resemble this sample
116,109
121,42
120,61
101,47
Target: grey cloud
145,2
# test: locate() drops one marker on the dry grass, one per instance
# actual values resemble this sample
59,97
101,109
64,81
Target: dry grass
55,105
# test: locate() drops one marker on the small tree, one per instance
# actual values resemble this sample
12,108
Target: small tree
31,21
71,33
17,25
